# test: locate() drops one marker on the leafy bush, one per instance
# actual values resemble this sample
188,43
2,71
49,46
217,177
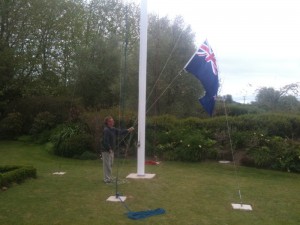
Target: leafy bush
283,125
30,107
162,123
15,174
42,121
75,145
236,109
241,139
185,145
11,126
275,153
288,159
262,156
270,124
72,140
41,127
4,169
264,140
194,147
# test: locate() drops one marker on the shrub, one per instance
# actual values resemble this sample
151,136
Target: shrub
163,123
266,140
4,169
277,125
237,109
72,140
29,107
15,174
262,156
41,127
272,124
289,159
11,126
275,153
42,121
241,139
185,145
194,147
75,145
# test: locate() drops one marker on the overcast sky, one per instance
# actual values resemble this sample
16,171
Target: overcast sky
256,42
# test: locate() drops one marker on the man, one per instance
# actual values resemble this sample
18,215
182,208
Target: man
109,144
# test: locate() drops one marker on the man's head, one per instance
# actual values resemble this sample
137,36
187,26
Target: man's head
109,121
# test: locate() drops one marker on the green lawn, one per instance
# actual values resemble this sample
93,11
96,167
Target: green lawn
191,193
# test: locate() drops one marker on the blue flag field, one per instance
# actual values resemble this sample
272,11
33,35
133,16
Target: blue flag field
203,66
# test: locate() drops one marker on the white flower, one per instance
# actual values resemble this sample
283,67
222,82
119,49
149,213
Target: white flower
200,146
188,145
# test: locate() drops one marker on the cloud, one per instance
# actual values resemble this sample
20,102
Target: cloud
242,77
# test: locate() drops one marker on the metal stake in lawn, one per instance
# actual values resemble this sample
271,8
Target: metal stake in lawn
240,205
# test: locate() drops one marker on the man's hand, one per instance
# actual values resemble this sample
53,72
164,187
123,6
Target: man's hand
130,129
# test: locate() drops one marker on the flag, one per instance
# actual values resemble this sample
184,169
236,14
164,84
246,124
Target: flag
203,65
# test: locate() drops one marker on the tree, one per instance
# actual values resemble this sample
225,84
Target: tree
289,103
171,44
268,98
51,48
43,36
99,62
228,98
97,72
9,89
290,89
278,100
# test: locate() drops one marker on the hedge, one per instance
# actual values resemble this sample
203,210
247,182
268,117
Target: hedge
15,174
267,140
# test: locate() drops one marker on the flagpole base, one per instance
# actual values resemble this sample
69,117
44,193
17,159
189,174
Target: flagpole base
245,207
115,198
137,176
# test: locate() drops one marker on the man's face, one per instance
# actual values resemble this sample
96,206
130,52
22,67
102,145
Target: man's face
110,122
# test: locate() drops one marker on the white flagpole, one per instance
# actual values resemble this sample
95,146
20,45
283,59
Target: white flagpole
142,95
142,88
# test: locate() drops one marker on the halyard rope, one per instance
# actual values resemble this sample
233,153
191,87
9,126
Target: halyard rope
232,153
